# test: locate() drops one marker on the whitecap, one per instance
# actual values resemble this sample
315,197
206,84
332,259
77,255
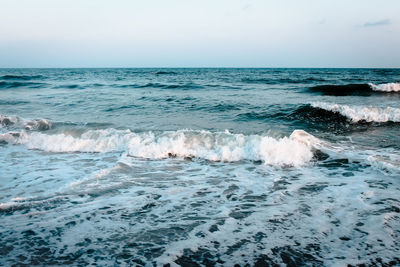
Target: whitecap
362,113
295,150
385,87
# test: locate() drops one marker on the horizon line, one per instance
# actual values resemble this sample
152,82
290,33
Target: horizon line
226,67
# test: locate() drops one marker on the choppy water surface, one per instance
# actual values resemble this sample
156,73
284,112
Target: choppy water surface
191,167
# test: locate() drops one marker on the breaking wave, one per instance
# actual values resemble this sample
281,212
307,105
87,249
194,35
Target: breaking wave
361,114
15,122
356,89
385,87
295,150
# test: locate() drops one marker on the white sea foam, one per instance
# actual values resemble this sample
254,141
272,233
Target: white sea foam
360,113
22,203
385,87
221,146
8,120
31,125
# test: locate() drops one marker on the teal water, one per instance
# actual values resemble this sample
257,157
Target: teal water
199,167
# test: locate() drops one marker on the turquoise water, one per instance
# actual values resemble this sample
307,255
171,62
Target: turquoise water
199,166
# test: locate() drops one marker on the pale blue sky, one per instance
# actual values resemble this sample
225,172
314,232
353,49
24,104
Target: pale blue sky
206,33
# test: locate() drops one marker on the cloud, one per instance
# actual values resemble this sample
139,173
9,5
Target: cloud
378,23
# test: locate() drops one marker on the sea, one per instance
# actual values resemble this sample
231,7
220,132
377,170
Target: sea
200,167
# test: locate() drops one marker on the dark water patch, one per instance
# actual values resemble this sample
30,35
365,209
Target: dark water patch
278,80
317,115
318,155
259,80
253,115
344,90
294,257
120,108
15,85
98,124
69,86
165,73
290,256
336,163
293,81
97,85
312,188
224,107
383,71
21,77
13,102
221,107
187,86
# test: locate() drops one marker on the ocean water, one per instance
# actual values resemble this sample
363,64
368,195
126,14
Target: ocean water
200,167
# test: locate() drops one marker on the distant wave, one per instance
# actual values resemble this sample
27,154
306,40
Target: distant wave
21,77
356,89
165,73
12,102
69,86
357,114
10,85
281,80
187,86
385,87
258,80
295,150
343,90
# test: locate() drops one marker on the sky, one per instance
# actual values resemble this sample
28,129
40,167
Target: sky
202,33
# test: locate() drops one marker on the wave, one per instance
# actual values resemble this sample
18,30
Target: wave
15,122
69,86
15,84
385,87
21,77
343,90
259,80
295,150
357,114
12,102
281,80
255,115
187,86
165,73
315,114
366,89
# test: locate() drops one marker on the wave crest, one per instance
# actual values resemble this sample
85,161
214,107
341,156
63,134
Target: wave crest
359,113
356,89
385,87
30,125
295,150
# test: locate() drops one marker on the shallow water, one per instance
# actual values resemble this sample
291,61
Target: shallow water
199,166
